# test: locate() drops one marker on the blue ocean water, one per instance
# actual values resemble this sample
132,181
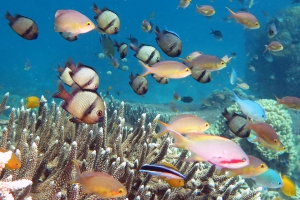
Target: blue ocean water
50,48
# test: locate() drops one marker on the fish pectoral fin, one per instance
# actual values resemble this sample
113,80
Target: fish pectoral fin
75,120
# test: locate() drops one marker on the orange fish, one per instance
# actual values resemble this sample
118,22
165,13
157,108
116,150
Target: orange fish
289,102
13,162
99,183
246,19
265,135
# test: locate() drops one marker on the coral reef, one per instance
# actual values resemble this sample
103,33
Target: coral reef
46,143
285,64
279,118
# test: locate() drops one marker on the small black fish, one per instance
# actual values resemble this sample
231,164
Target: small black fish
23,26
233,54
217,34
187,99
236,124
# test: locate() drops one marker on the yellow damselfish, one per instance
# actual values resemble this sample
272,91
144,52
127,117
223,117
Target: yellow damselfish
32,102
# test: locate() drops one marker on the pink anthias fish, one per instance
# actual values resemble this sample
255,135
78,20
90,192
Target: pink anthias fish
72,22
216,150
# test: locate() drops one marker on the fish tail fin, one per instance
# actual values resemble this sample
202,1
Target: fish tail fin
78,173
8,16
180,141
248,123
62,93
233,13
70,65
116,44
162,129
279,101
266,48
146,69
235,97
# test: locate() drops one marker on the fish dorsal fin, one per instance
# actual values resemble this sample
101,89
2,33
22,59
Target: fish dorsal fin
169,165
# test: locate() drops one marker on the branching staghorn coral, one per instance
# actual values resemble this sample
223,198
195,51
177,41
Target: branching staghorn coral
46,143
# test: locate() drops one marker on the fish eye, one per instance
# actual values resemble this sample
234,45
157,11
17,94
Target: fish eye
99,113
88,23
95,86
116,29
243,159
279,183
256,23
275,140
206,124
120,191
283,147
157,59
262,166
222,62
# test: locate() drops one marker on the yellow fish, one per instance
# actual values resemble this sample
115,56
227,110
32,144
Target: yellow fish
289,187
206,10
184,124
274,46
167,69
246,19
208,63
13,163
32,102
99,183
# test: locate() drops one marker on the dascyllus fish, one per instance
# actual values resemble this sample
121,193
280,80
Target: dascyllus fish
23,26
85,105
146,53
108,21
236,124
122,49
139,84
186,99
64,75
169,42
84,76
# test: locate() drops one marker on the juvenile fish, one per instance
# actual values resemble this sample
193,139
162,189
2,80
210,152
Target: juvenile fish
122,49
13,162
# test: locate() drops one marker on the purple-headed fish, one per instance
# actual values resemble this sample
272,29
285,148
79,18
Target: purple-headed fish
84,76
184,124
99,183
85,105
255,168
167,69
165,171
246,19
216,150
72,22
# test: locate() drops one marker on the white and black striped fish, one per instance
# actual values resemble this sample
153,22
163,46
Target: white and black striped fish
201,76
23,26
122,49
85,105
139,84
108,21
161,80
84,76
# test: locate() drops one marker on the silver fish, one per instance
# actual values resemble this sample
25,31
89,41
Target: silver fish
85,105
169,42
107,46
84,76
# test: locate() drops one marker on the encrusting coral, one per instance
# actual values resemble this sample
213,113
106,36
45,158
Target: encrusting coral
47,142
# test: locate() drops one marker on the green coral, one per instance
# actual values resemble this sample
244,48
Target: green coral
279,119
